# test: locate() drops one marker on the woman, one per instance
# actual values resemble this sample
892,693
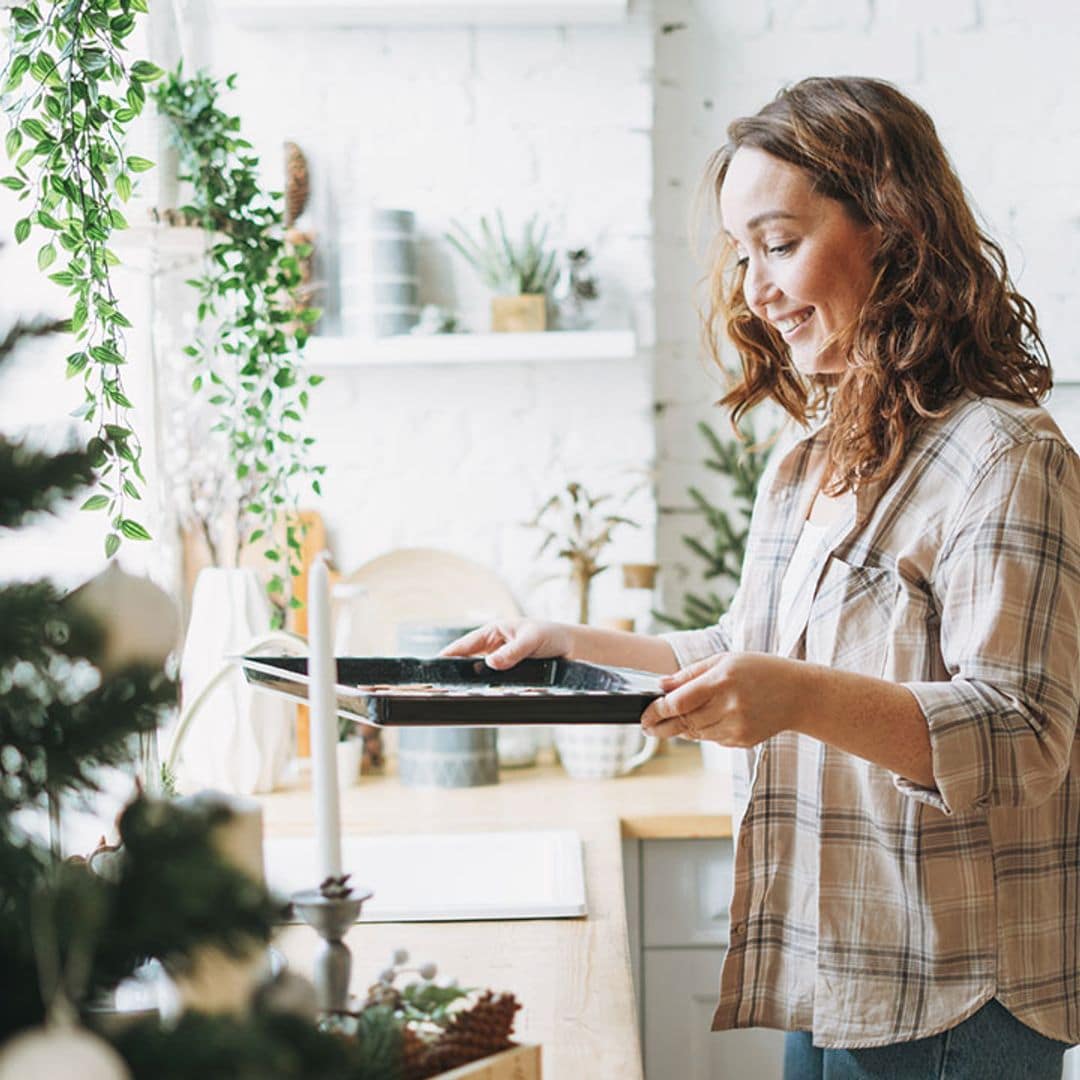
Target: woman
902,660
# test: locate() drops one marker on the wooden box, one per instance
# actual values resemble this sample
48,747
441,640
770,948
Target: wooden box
521,1063
522,314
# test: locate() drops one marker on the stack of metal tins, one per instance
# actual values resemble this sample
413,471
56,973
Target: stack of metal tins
380,292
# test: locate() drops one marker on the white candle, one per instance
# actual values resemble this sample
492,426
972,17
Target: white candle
322,674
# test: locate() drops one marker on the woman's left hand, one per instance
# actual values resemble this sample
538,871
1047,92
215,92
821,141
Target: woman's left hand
735,699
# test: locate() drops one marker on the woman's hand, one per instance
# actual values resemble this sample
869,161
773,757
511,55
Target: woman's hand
735,699
506,641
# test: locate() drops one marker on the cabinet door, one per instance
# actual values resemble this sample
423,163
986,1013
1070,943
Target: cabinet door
680,996
631,855
686,891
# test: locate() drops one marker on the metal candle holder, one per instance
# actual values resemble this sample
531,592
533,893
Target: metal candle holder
331,910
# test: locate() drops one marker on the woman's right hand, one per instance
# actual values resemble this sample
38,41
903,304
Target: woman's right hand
506,641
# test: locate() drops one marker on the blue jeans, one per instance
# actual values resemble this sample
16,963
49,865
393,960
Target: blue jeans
990,1045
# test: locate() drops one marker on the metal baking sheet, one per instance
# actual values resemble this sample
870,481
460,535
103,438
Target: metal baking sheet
452,692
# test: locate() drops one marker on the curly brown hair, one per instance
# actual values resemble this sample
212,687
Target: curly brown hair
942,316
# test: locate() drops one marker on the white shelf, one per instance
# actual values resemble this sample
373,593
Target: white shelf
337,13
327,352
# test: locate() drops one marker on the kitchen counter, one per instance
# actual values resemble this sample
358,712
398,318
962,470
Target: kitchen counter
572,976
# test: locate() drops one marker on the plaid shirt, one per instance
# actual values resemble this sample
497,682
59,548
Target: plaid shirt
867,909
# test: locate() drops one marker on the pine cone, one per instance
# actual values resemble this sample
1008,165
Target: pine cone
470,1035
413,1051
297,183
489,1022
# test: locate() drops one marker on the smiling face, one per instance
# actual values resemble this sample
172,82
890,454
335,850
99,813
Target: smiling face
807,261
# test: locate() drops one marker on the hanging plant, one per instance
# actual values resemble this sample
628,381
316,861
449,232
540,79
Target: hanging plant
69,98
251,326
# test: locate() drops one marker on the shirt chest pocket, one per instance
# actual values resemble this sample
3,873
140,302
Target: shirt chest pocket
851,619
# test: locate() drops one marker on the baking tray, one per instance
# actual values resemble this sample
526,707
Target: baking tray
464,692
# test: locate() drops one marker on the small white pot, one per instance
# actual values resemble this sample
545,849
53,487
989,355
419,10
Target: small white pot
350,753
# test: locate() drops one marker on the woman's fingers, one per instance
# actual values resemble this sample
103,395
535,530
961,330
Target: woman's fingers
516,647
476,642
659,720
691,671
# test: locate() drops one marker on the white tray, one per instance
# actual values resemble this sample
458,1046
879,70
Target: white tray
530,874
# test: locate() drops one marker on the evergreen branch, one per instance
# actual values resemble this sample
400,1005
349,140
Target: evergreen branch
170,864
33,482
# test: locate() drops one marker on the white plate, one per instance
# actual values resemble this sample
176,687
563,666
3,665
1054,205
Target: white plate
415,585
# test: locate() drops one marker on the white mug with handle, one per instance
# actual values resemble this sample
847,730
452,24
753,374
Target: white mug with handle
603,751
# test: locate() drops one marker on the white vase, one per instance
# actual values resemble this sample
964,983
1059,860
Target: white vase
239,740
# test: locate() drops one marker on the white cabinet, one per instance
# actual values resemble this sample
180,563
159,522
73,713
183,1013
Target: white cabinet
680,995
677,903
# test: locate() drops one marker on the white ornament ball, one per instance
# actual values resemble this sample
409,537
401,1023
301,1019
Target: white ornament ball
139,619
60,1053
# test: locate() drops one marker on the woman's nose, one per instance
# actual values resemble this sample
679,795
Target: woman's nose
759,290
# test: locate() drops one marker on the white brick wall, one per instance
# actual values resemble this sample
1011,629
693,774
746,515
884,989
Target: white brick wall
1000,80
605,132
453,123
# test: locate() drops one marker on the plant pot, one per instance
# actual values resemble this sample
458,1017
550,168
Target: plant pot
349,755
639,575
519,314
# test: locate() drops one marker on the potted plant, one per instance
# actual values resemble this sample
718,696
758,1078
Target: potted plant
521,273
574,522
575,290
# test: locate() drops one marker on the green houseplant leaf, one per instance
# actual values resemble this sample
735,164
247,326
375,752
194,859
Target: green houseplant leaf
64,74
249,348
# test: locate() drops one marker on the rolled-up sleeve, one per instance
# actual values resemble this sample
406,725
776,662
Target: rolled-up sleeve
1007,586
692,645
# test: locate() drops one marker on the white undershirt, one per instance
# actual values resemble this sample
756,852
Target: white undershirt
802,558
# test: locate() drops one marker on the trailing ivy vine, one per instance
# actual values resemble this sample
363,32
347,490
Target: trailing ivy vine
69,97
252,327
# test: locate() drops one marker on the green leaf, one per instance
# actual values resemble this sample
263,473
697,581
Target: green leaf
46,257
67,279
132,530
123,186
12,142
22,229
76,362
35,129
95,502
13,182
112,545
144,71
131,490
139,164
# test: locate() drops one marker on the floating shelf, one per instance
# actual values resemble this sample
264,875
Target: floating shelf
325,352
265,13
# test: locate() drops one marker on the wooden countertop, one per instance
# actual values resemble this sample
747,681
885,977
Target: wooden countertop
572,976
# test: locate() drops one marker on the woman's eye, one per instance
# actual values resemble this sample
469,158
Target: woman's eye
743,262
781,249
